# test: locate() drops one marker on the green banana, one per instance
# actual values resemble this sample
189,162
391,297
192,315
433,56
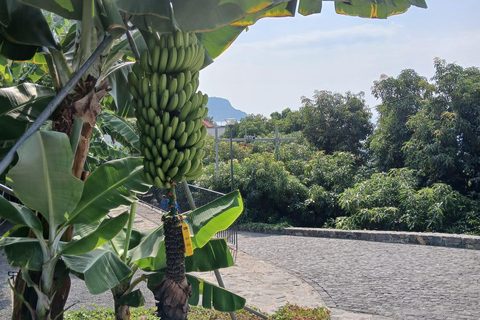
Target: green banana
190,127
146,100
144,62
172,86
172,59
180,81
174,124
195,175
193,151
133,91
164,100
179,130
159,129
151,115
158,161
172,154
166,119
167,135
164,151
162,83
171,144
180,58
148,178
182,140
172,103
153,134
172,172
162,65
185,167
156,58
166,165
161,174
158,183
148,155
154,101
195,163
178,158
185,110
133,79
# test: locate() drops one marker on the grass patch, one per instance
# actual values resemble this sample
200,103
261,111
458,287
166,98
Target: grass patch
288,312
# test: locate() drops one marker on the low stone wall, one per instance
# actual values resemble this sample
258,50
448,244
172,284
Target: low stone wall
421,238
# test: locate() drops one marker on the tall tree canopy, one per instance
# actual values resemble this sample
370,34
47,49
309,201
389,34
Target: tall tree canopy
445,145
401,98
336,122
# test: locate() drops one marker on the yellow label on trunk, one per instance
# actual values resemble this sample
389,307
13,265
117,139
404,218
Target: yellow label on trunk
186,239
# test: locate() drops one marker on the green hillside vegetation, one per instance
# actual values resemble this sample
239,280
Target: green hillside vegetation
418,170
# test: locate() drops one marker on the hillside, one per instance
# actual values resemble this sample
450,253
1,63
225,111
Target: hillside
221,109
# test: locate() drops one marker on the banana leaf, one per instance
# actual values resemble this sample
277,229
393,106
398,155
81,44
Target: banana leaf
43,180
19,215
214,217
24,31
120,130
22,252
20,106
106,231
109,187
101,269
380,9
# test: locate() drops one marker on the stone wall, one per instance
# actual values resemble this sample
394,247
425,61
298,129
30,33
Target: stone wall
421,238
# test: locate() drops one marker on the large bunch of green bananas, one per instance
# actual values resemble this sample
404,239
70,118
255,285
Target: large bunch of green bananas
169,110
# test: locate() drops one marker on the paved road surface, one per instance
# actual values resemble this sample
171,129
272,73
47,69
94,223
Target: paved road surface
393,280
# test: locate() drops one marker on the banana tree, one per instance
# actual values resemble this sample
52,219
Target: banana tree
25,33
147,251
43,181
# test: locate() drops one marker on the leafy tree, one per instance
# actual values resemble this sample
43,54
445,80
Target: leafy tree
445,145
288,121
336,122
252,125
401,98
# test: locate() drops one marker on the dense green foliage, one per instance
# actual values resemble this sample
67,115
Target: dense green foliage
417,171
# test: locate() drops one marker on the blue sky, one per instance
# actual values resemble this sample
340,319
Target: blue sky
279,60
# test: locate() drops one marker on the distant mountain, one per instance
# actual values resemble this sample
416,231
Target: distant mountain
221,109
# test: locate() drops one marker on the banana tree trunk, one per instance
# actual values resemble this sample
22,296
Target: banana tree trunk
84,103
122,311
173,292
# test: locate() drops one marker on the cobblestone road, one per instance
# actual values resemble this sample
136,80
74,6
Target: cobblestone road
393,280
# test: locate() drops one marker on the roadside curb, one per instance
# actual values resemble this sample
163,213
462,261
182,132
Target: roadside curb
419,238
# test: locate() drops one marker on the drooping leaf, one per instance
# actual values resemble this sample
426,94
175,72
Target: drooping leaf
150,246
24,28
278,9
43,180
109,187
19,214
307,7
20,106
366,9
106,231
23,252
133,299
212,296
213,256
217,41
214,217
59,7
101,269
120,130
